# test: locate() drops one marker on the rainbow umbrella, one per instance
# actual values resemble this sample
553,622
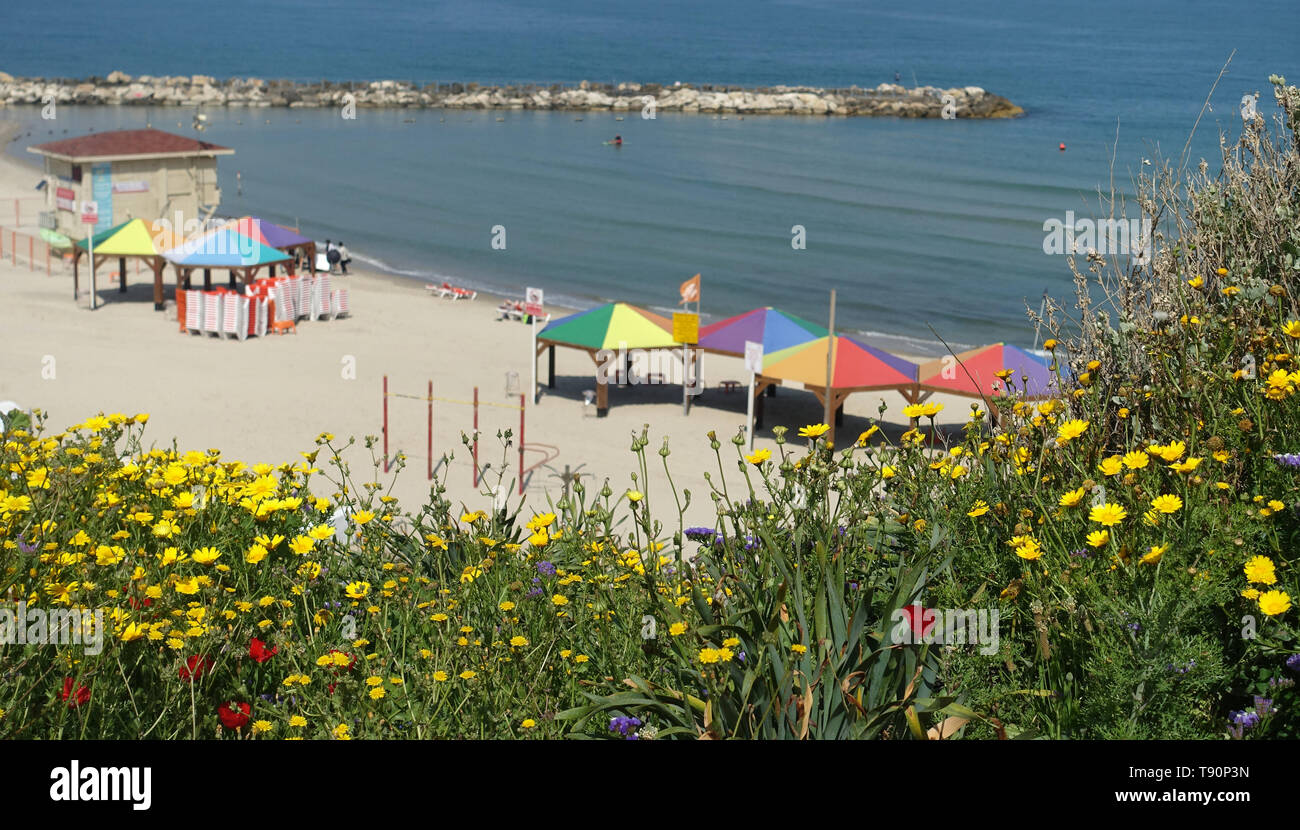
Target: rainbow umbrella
854,365
268,233
775,329
611,326
134,238
974,373
223,247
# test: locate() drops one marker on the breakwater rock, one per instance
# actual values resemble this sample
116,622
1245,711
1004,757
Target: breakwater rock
118,88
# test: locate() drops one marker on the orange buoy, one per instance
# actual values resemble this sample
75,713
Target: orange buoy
1062,146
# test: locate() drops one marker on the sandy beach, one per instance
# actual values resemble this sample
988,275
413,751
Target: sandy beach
266,400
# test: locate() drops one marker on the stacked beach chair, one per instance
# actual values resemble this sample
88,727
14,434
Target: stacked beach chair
269,304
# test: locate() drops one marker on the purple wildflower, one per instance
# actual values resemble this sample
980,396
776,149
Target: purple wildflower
623,725
545,568
1288,459
26,548
1293,662
1264,706
700,534
1245,719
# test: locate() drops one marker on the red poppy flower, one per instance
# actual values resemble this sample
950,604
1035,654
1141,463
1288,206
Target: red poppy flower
920,619
259,652
195,667
78,698
234,715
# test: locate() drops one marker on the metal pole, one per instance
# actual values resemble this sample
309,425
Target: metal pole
521,444
749,412
429,457
476,436
532,361
90,243
830,357
385,423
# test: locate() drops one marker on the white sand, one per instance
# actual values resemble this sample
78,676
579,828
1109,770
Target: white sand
267,399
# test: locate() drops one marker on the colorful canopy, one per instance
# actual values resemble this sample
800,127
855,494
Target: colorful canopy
854,365
268,233
223,248
775,329
974,373
134,238
611,326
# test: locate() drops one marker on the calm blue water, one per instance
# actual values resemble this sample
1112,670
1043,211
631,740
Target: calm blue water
916,223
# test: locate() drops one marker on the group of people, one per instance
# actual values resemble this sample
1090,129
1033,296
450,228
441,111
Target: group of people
337,255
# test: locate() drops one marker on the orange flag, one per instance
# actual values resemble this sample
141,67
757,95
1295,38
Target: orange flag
691,290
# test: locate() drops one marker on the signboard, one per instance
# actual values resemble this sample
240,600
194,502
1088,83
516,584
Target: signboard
102,189
686,327
65,198
135,186
89,213
754,357
533,301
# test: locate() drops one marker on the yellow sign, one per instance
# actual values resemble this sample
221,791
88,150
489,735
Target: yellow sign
686,327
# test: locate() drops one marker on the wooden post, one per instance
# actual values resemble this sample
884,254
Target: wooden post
121,277
207,285
158,304
602,396
550,368
76,261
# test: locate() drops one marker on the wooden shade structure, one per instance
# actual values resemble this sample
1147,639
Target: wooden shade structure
136,239
279,237
854,367
223,248
612,326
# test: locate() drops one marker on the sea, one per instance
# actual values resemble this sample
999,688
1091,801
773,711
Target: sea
930,231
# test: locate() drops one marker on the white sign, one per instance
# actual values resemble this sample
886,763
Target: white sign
534,296
89,213
754,357
135,186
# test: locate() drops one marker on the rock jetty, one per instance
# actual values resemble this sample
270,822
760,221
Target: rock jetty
120,89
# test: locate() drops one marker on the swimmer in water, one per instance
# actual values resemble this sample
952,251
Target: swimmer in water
618,141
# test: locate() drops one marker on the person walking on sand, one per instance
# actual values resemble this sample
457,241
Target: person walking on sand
344,257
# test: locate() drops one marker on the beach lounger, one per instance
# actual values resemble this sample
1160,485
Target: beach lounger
463,294
212,310
193,311
339,303
286,307
234,316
